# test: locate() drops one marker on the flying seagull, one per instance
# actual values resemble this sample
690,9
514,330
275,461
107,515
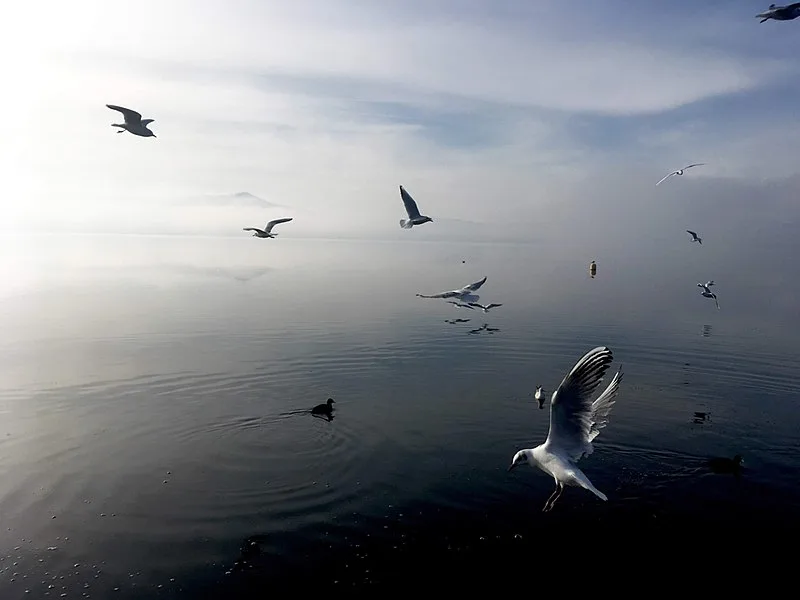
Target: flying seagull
592,269
133,122
414,218
484,308
459,304
706,286
706,293
267,231
574,422
462,294
780,13
695,238
680,171
539,396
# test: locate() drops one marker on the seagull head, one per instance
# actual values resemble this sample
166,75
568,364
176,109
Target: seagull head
331,401
519,458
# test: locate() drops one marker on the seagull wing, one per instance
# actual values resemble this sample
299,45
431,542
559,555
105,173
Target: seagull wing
571,411
408,201
692,165
472,287
250,229
601,408
691,233
493,306
146,122
715,300
476,305
131,116
274,222
667,177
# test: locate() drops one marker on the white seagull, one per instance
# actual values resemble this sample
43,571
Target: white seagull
484,308
680,171
695,238
780,13
414,218
463,294
267,231
133,122
574,422
539,396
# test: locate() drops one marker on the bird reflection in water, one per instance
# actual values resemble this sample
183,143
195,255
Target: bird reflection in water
484,328
706,332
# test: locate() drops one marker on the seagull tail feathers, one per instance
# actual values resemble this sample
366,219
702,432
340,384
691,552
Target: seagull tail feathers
405,224
582,480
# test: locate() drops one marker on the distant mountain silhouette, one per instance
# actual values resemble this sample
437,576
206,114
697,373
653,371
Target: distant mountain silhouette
242,199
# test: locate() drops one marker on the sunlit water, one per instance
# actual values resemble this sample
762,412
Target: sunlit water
153,440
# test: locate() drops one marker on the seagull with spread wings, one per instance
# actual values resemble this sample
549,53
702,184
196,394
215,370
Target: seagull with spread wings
267,231
414,218
133,122
679,172
695,237
463,294
485,309
574,422
780,13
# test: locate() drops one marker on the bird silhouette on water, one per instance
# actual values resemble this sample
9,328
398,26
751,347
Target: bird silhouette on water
325,410
725,466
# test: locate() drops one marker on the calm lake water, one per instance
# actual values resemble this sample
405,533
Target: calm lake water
151,444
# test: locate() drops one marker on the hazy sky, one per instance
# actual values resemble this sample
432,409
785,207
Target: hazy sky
511,114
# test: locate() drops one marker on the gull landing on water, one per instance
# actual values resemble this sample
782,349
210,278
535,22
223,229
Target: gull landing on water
780,13
574,422
267,231
133,122
679,171
464,293
695,238
414,218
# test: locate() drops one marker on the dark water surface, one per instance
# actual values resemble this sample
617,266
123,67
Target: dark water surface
153,439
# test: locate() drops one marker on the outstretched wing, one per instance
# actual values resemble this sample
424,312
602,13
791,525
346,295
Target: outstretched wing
691,233
146,122
571,410
601,408
667,177
493,306
250,229
131,116
475,304
274,222
472,287
692,165
408,201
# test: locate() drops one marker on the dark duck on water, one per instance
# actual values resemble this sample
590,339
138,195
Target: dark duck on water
324,409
